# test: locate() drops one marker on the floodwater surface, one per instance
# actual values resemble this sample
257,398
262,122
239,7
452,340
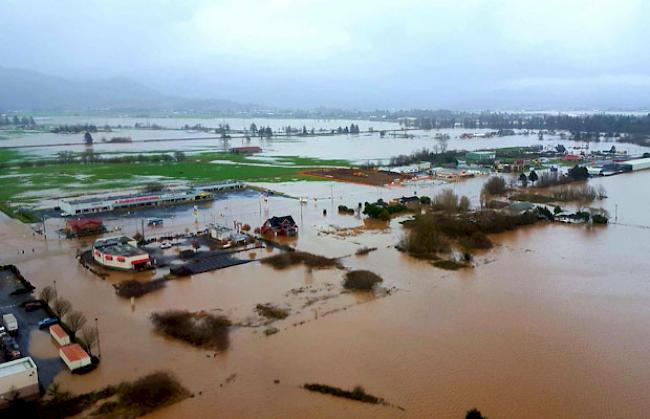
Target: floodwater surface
552,322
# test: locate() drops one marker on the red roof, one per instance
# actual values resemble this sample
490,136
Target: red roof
83,223
58,331
74,352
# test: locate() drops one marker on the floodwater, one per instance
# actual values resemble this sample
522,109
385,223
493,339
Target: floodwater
552,322
357,148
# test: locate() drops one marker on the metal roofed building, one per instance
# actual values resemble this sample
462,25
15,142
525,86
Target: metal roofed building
18,377
125,202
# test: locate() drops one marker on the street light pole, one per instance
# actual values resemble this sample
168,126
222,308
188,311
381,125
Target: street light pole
99,348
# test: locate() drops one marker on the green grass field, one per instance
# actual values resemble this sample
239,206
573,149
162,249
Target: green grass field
26,185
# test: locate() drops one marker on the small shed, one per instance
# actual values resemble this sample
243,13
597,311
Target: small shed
74,356
59,335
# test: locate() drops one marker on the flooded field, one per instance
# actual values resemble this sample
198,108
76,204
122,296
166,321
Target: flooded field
356,148
552,322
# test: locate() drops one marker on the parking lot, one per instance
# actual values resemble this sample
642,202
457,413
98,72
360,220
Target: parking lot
48,368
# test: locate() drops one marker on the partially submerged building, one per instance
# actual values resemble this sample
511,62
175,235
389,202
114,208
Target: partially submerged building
59,335
74,356
121,253
280,226
18,378
109,203
81,227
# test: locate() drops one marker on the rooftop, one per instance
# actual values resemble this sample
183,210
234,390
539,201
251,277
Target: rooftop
58,331
74,352
17,366
118,246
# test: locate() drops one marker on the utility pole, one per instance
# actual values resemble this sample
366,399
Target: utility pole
99,348
142,224
44,230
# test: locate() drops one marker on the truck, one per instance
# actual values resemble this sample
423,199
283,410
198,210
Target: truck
10,323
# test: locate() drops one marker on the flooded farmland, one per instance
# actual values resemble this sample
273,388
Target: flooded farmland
356,148
552,322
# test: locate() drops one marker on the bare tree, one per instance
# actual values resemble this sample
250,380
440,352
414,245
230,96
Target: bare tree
61,307
87,338
47,294
75,321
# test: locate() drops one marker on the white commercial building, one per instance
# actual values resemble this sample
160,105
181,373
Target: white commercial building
19,377
637,164
120,253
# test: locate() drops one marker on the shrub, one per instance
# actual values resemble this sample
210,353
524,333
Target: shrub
425,200
450,265
447,201
199,329
134,288
474,414
361,280
578,173
287,259
151,391
476,240
271,312
599,219
496,185
358,393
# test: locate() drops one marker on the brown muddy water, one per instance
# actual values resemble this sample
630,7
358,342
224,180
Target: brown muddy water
551,323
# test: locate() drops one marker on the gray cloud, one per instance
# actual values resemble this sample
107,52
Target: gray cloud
444,53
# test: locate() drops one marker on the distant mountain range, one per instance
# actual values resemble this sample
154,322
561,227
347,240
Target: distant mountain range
25,90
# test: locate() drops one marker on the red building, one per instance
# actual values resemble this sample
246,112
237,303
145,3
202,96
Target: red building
280,226
84,227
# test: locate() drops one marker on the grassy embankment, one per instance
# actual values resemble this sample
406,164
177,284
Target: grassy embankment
76,177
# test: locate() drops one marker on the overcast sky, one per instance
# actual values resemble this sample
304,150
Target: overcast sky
347,53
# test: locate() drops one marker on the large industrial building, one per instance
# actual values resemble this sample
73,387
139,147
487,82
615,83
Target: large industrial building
143,200
120,253
637,164
19,377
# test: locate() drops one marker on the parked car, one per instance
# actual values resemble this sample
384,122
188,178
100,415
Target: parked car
10,348
165,245
47,322
10,323
32,306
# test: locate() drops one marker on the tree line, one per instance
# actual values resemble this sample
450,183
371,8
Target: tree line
609,124
24,121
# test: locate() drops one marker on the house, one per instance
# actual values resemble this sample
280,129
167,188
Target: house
74,356
408,200
59,335
83,227
246,150
572,157
18,377
280,226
